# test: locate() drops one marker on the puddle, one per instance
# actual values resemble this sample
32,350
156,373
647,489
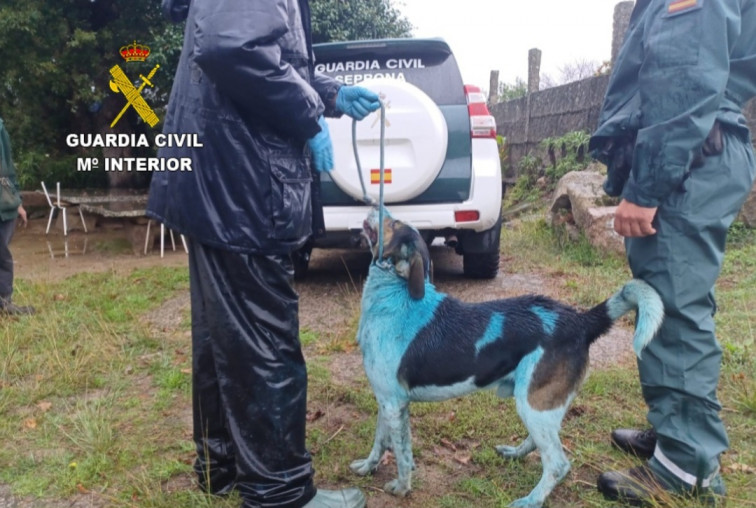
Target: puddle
38,256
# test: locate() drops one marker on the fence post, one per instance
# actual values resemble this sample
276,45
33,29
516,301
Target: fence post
534,82
534,70
622,12
493,88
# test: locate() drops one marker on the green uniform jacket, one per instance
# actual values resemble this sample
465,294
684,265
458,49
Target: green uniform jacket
10,198
683,65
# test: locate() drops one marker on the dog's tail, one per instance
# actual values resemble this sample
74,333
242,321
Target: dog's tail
636,294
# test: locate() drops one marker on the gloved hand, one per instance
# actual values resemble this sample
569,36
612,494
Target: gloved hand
321,148
356,101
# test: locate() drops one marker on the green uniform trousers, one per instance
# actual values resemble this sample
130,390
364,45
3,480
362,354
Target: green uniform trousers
679,370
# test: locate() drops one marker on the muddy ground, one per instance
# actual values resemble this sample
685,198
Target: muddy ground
328,298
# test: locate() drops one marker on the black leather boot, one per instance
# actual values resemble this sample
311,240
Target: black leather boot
640,443
641,486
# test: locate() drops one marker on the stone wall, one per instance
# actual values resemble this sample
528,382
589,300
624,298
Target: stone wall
554,112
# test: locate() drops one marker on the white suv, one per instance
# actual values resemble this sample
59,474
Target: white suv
442,169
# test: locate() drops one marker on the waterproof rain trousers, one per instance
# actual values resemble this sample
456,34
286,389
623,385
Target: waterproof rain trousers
249,377
684,65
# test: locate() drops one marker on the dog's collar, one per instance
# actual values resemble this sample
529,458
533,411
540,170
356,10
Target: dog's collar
384,265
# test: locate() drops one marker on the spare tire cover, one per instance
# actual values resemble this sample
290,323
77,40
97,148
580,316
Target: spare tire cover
414,148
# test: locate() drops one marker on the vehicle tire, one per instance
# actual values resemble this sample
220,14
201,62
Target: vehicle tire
480,265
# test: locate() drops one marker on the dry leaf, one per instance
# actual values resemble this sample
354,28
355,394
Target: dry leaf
186,371
44,406
387,458
311,417
81,489
740,468
463,459
30,423
448,444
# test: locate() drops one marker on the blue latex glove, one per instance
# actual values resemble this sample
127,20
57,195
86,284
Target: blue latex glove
321,148
356,101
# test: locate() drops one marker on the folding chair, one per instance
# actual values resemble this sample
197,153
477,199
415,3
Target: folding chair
147,239
58,207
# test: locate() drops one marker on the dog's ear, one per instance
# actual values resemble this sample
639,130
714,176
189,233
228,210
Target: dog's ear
416,279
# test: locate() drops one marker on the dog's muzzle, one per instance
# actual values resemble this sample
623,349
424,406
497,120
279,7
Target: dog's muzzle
369,232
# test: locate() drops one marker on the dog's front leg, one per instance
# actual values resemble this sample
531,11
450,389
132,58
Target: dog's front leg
366,466
398,426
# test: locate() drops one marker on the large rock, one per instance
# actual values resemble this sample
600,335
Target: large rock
748,213
580,198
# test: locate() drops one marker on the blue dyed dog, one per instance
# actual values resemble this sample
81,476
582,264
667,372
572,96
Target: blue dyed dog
422,345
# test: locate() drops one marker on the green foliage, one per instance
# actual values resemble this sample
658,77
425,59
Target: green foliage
566,153
525,189
509,91
54,78
501,143
740,236
350,20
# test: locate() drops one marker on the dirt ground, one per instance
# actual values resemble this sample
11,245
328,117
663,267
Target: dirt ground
334,275
328,300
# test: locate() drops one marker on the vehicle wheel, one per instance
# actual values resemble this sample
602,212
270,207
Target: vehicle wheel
301,260
480,265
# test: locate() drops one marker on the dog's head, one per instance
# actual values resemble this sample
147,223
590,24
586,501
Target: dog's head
404,250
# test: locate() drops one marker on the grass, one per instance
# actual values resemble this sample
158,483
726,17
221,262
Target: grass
95,402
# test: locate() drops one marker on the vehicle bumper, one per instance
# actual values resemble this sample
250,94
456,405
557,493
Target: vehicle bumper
485,198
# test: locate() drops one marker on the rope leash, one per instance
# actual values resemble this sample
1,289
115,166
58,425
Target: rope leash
367,199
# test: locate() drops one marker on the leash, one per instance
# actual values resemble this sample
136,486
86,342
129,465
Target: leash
367,199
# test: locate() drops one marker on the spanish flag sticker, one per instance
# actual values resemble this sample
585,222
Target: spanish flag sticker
677,6
375,176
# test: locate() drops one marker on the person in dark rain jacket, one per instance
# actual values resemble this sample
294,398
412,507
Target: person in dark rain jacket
680,154
246,86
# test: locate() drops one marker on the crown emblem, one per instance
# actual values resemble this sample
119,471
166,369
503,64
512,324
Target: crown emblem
135,52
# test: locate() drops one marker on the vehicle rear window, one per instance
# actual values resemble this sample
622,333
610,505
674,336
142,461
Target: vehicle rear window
428,64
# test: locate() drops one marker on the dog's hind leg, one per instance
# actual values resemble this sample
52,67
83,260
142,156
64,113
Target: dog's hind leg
366,466
505,390
398,426
517,452
544,432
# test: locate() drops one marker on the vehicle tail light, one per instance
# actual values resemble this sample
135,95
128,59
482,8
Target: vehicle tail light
466,215
482,123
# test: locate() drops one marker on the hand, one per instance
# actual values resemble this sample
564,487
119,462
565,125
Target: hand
22,215
631,220
321,148
356,101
